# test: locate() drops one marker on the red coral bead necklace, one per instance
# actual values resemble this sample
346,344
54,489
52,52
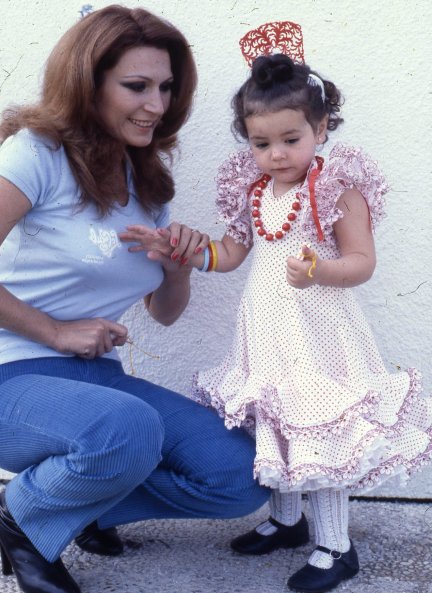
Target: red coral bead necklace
256,212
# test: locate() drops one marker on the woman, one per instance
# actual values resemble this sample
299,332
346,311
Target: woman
88,442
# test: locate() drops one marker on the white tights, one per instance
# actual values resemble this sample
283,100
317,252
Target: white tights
285,508
330,516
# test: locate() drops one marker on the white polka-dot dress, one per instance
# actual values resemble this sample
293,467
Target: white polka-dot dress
304,373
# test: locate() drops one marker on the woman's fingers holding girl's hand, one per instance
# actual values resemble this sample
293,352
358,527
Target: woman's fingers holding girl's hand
186,242
148,239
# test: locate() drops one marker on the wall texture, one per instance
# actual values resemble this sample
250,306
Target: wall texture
379,54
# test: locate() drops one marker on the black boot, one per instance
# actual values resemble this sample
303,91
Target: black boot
254,543
311,579
104,542
33,573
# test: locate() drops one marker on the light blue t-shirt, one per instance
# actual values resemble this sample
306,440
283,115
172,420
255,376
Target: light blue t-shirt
62,259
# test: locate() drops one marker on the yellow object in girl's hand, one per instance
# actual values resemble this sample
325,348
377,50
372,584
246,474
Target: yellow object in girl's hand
311,255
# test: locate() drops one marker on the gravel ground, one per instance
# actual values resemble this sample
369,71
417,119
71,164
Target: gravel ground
393,541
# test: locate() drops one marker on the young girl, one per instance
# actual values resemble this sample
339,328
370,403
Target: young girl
304,371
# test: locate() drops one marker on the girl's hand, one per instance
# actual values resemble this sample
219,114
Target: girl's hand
186,242
301,270
88,338
150,240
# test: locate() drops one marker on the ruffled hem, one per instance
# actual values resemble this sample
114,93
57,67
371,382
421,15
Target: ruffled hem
363,459
370,463
266,402
395,467
365,471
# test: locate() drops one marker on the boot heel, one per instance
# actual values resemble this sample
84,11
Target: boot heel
6,565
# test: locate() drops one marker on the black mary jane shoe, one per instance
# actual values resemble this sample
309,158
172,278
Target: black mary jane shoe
33,573
256,544
311,579
105,542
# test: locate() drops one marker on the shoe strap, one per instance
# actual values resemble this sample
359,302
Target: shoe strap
275,523
333,553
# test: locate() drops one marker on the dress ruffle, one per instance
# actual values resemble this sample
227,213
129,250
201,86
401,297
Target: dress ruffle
383,451
234,179
346,167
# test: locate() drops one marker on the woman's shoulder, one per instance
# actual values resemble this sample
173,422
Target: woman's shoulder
32,162
30,149
25,137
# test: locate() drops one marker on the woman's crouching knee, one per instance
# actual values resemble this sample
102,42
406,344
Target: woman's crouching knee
232,479
123,445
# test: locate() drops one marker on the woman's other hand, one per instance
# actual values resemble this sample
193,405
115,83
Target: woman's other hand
88,338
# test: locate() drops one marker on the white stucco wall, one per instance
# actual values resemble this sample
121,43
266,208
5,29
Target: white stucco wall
379,53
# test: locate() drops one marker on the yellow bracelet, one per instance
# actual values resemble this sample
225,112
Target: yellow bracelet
312,258
214,257
313,265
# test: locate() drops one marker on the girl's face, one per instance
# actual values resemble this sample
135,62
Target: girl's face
283,144
135,94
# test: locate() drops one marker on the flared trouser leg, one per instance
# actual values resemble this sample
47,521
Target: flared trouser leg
85,438
78,450
205,472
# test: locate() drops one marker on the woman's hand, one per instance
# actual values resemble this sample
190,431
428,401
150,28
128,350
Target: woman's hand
186,242
301,270
171,247
148,239
88,338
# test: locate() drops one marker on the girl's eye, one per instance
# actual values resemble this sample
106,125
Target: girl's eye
261,145
292,140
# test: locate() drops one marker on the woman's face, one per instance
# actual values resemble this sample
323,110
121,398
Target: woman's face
135,94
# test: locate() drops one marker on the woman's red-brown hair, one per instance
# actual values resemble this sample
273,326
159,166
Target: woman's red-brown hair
67,113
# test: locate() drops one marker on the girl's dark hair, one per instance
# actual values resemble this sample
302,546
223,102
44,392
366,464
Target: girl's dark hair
275,83
67,115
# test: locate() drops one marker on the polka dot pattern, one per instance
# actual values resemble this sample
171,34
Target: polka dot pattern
304,374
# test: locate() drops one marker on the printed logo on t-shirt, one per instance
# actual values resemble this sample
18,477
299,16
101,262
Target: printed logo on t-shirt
106,240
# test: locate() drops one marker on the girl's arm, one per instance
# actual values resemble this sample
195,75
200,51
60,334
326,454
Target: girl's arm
168,302
229,255
355,240
89,337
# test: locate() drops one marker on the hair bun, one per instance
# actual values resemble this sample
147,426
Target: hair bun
267,70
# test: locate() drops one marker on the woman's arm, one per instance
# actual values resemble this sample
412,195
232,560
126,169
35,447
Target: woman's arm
87,337
168,302
355,240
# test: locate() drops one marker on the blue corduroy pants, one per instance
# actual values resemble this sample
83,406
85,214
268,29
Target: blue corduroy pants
89,442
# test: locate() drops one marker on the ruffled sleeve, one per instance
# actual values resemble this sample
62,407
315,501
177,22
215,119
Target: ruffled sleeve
234,180
346,168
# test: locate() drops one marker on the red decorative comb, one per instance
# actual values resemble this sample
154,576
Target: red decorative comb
282,37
